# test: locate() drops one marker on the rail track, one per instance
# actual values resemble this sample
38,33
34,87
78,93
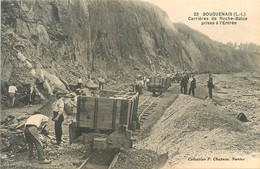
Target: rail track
143,108
101,159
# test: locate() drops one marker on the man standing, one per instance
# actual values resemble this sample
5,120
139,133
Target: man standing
101,82
139,84
147,83
79,82
184,84
58,117
32,94
11,92
192,85
210,85
35,125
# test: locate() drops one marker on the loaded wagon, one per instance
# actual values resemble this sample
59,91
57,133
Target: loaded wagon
158,84
110,114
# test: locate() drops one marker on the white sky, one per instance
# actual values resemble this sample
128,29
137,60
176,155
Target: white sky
244,31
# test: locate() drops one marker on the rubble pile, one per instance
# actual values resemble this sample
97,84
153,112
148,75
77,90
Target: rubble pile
12,140
201,126
13,144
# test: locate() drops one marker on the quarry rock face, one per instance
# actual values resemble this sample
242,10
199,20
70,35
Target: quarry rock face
77,38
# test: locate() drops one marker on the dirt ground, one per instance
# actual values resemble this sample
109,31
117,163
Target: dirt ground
194,129
179,128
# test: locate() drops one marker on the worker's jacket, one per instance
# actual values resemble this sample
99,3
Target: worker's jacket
184,80
35,125
193,83
210,83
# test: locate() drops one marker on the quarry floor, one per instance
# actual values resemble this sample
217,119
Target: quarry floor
181,132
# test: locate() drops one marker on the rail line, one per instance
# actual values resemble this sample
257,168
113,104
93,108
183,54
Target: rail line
144,106
101,159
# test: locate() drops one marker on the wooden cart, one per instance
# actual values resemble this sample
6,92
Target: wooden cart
158,84
109,113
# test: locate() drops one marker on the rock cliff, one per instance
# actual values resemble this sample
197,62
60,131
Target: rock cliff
72,38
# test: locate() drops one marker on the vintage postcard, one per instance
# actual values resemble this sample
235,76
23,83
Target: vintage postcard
130,84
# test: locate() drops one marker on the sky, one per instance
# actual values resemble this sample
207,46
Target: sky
243,32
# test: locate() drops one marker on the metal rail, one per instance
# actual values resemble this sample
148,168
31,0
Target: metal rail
143,101
142,113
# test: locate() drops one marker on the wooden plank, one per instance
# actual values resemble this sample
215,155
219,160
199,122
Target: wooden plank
136,108
107,93
105,113
95,113
118,107
101,126
114,115
78,108
87,112
130,112
124,112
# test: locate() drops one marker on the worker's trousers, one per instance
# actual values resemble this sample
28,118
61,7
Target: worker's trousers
11,99
184,89
101,86
210,92
138,89
32,138
58,127
192,90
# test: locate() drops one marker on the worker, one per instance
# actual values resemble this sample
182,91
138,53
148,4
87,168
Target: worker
90,80
184,83
79,82
139,84
192,85
78,91
101,82
35,125
147,82
11,93
144,79
210,85
32,94
58,117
